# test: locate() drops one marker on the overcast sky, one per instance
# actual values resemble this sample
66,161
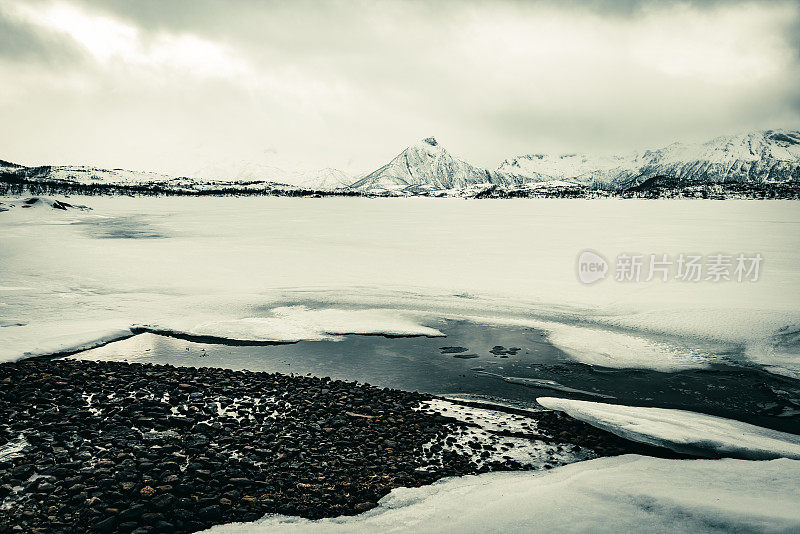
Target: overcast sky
177,86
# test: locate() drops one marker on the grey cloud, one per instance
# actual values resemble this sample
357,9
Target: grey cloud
350,83
20,42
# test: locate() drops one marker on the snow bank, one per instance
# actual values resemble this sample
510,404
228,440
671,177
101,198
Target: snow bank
290,324
19,340
621,494
595,346
682,431
37,203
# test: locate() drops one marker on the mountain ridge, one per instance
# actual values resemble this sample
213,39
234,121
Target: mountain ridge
760,157
755,156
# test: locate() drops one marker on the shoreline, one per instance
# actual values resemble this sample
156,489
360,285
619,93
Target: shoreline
128,447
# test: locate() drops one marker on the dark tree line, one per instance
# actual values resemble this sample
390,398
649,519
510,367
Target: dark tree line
16,184
13,184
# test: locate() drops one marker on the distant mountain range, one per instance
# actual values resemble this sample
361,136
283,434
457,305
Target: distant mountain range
763,157
248,171
761,161
757,157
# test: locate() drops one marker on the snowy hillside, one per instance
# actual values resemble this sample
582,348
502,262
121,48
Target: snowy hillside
582,168
93,180
327,179
756,157
89,175
248,171
426,166
85,175
233,171
7,166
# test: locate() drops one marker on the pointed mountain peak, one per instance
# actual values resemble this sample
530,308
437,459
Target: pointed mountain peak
427,166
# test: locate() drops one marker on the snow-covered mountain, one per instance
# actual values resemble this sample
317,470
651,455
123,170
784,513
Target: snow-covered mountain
92,180
240,171
427,166
258,180
754,157
582,168
248,171
325,179
94,175
755,160
86,175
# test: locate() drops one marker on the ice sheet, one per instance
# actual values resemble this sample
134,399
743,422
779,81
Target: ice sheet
621,494
288,324
213,260
681,430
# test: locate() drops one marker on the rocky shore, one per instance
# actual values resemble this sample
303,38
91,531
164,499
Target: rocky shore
117,447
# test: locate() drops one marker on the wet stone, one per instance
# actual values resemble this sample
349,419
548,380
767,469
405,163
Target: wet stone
244,445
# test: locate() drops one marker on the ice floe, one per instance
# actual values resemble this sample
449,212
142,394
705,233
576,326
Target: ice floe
597,346
682,431
20,340
289,324
621,494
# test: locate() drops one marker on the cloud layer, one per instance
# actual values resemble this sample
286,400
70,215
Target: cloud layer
178,86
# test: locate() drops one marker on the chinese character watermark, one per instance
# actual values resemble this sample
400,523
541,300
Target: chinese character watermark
630,267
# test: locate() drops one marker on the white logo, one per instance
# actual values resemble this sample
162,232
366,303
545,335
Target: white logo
592,267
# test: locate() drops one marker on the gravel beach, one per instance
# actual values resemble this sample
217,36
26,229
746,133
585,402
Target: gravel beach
118,447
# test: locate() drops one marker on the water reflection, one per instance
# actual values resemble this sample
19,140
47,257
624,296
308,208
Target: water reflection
536,369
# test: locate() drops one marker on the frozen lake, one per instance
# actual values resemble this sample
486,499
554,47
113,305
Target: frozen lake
220,267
